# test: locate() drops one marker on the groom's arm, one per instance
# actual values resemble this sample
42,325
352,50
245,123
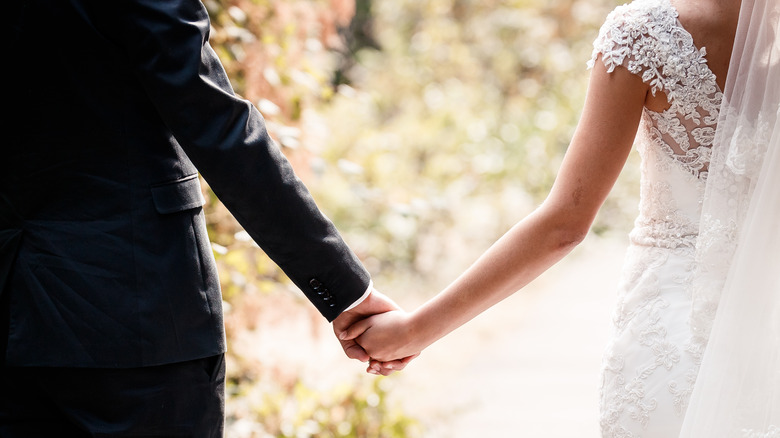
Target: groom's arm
166,43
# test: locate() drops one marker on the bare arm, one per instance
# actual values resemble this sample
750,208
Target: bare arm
597,153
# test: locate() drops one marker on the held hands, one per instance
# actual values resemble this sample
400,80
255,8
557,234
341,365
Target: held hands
385,337
375,304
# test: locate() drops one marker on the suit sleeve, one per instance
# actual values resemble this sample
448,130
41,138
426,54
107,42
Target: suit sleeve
166,42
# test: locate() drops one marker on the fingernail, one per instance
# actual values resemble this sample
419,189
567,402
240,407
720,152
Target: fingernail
342,335
373,371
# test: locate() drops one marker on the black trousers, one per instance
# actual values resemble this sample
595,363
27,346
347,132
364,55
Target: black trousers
183,399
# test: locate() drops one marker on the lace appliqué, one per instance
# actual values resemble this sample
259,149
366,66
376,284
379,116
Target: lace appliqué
647,38
642,314
683,394
660,223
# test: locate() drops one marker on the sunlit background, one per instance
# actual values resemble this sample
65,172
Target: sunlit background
424,129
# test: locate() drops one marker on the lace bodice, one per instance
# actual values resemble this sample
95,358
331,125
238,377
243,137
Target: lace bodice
650,366
647,38
692,279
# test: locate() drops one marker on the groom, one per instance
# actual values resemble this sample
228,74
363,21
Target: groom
110,308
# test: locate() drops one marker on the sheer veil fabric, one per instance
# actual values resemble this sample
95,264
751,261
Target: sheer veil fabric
736,292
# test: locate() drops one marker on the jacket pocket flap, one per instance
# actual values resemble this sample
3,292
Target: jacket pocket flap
179,195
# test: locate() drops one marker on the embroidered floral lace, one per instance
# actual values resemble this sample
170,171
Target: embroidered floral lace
650,366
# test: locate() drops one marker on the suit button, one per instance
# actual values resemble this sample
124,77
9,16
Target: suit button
315,284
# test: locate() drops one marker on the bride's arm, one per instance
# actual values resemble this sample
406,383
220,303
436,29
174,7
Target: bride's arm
595,157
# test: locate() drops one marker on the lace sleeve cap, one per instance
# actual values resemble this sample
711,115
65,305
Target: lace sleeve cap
617,38
636,36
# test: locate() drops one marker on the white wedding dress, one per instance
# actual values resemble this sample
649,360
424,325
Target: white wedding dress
650,364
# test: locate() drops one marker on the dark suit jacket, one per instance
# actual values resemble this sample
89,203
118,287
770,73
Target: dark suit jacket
116,105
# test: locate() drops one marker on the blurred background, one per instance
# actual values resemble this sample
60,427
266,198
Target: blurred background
424,129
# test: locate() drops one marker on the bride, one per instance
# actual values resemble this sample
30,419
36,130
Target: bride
695,351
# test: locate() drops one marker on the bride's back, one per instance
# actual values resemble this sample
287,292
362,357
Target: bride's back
712,24
649,371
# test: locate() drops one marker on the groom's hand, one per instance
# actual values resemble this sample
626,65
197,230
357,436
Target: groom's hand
373,304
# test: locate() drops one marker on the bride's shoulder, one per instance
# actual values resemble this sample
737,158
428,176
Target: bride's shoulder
632,31
642,15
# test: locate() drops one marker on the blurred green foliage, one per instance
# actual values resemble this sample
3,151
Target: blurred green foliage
424,129
348,411
283,56
455,127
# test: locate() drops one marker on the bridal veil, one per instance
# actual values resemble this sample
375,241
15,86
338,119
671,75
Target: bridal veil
736,293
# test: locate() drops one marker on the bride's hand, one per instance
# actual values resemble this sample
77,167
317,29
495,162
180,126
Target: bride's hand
387,337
